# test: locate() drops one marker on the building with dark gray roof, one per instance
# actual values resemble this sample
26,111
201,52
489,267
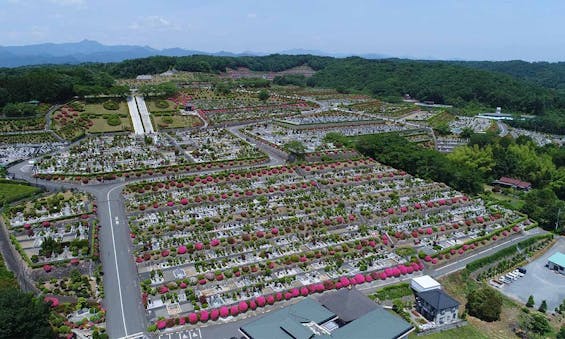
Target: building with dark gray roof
437,306
348,304
343,314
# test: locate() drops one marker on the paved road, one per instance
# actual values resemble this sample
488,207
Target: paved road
144,113
460,264
503,129
135,117
539,275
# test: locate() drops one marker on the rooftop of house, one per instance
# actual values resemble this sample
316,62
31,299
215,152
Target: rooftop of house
438,299
515,182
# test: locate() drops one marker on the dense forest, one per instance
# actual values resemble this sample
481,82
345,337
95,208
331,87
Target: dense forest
438,81
546,74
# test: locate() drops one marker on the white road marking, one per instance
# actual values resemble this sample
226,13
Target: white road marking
116,260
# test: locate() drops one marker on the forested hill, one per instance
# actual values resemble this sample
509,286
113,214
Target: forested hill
442,82
546,74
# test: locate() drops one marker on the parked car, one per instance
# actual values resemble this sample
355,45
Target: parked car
522,270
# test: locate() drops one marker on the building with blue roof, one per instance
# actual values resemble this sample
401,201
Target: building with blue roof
557,262
342,314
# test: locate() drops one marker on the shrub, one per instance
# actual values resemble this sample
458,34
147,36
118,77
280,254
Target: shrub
111,105
484,303
162,104
113,120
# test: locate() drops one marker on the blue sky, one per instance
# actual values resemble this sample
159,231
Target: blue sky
442,29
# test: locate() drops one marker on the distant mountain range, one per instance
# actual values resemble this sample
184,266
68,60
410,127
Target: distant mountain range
93,51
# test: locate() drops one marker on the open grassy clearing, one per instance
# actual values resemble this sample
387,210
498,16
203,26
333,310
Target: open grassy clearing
10,191
441,118
175,121
465,332
100,125
160,105
99,109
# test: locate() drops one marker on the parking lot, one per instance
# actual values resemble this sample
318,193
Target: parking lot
540,282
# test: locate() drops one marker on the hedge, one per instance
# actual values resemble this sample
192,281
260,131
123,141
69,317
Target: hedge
506,252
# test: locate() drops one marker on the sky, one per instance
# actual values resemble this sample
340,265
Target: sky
433,29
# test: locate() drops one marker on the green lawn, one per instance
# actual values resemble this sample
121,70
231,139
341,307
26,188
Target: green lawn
12,191
101,125
152,106
175,121
394,291
464,332
99,109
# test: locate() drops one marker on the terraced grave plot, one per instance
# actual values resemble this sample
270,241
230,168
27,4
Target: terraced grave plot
54,230
384,108
312,137
214,144
253,113
107,154
15,152
327,117
207,242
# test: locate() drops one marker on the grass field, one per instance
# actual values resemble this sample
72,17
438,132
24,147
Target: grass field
99,109
440,118
505,199
151,105
394,292
175,121
465,332
101,125
12,191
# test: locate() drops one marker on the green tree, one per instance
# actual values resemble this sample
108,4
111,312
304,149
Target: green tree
466,132
23,316
263,95
542,205
474,158
535,322
561,333
543,307
530,302
443,129
295,148
484,303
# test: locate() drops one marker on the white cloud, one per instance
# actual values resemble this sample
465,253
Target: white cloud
153,22
251,15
